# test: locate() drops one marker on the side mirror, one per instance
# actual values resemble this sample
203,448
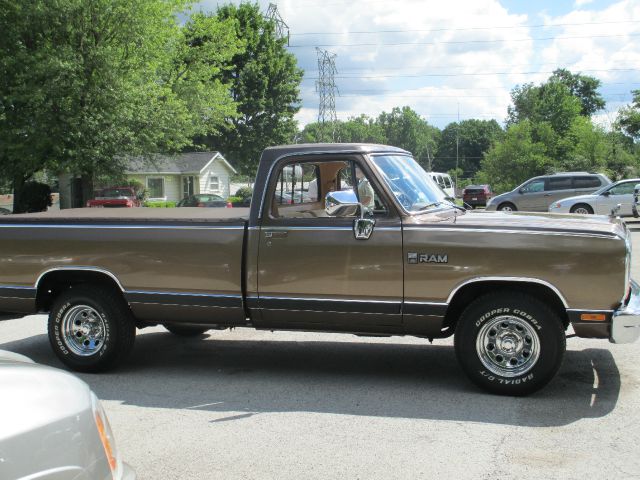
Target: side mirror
606,194
636,201
345,203
521,191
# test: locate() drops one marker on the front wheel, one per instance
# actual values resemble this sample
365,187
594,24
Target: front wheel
510,343
507,207
91,329
582,208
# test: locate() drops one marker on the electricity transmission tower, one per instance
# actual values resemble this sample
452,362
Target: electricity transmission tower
282,29
326,88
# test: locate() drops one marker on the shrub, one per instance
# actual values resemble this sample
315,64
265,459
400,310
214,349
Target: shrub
244,192
34,197
235,199
160,204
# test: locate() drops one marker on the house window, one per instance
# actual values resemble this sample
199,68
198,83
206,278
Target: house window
214,183
155,186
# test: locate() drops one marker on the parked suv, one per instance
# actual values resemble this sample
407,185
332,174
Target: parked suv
538,193
477,195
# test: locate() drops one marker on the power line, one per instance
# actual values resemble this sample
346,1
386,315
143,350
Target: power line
556,65
365,77
459,42
463,29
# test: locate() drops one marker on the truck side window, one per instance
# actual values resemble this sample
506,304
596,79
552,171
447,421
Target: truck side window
301,187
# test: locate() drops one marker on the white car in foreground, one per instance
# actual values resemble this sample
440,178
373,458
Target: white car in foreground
52,426
602,201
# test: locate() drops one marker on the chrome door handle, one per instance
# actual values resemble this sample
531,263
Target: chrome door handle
277,234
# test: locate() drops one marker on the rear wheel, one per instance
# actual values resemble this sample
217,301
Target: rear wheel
185,330
510,343
582,208
91,329
507,207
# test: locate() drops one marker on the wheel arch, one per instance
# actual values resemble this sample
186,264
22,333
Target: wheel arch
468,291
54,281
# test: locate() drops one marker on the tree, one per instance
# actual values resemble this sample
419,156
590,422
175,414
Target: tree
472,138
516,158
362,129
265,83
84,84
583,87
404,128
629,117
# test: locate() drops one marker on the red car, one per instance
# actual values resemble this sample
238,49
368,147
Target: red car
477,195
115,197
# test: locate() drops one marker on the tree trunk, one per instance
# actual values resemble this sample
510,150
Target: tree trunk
87,188
18,186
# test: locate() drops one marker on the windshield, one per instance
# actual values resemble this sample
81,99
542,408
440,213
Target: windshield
410,184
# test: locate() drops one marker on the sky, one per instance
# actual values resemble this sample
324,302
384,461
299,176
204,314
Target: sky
453,59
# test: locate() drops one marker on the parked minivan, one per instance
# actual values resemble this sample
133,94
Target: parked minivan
538,193
445,182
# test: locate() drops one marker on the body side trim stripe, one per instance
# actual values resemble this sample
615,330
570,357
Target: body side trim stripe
17,291
180,298
116,226
515,231
331,305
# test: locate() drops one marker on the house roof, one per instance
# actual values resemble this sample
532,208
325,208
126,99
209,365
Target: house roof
181,163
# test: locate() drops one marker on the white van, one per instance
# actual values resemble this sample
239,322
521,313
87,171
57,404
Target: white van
445,182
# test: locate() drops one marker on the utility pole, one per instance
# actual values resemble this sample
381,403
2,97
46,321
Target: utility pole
326,88
282,29
457,146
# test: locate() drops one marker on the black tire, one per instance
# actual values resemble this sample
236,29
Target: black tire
104,341
507,207
583,207
185,330
518,323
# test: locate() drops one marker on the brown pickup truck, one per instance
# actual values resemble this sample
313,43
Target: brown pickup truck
342,238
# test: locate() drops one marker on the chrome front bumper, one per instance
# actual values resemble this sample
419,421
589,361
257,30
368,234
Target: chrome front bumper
625,324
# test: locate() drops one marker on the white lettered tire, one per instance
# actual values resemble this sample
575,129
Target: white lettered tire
510,343
91,328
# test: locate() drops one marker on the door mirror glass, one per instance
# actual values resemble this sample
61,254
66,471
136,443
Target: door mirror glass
342,203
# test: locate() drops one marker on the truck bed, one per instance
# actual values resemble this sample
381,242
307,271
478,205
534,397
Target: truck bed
162,259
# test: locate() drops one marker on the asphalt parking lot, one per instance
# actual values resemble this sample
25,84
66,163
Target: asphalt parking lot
257,405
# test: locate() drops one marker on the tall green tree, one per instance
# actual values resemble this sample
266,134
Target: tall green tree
470,139
85,83
265,83
583,87
404,128
516,158
629,117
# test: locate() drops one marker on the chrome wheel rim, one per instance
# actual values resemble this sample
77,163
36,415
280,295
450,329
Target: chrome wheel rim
506,208
84,330
508,346
581,210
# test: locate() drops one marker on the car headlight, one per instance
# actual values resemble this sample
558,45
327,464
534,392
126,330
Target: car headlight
107,438
556,205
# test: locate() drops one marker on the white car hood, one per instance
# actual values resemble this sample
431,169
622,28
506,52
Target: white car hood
35,395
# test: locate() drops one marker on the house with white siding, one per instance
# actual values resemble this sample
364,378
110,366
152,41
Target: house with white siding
172,178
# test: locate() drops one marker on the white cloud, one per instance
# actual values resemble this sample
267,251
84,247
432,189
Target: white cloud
465,54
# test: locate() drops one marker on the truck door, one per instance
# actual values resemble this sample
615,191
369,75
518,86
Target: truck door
312,271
